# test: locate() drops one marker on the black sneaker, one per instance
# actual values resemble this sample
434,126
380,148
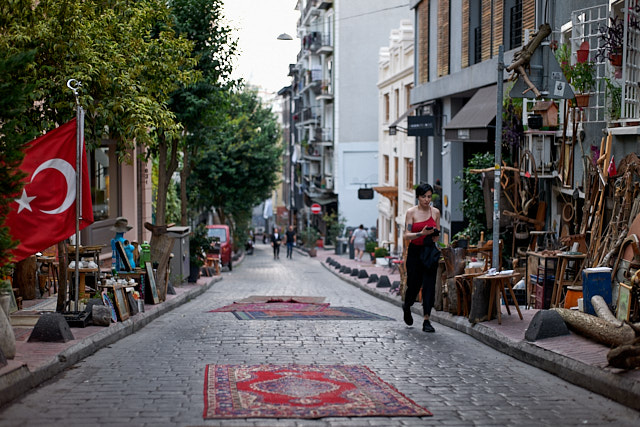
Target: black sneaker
408,318
426,326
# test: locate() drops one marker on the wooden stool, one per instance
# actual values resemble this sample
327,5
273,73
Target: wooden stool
560,281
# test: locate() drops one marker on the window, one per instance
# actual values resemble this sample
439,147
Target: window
475,32
408,178
385,105
385,165
407,96
396,94
515,23
395,171
100,188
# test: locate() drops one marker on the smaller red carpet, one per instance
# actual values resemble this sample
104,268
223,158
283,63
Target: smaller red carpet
302,391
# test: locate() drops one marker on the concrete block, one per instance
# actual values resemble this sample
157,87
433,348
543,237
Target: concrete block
373,278
362,274
354,272
51,327
546,324
383,282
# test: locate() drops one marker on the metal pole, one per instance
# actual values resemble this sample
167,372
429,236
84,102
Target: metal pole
75,85
498,160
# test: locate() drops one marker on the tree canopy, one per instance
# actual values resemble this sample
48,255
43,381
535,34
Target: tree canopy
240,165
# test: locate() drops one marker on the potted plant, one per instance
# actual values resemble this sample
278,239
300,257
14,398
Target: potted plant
613,95
611,40
199,244
370,247
310,237
583,81
380,254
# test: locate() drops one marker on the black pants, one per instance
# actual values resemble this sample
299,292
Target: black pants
276,250
420,277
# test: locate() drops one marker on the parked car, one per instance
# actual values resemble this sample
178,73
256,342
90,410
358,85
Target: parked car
223,243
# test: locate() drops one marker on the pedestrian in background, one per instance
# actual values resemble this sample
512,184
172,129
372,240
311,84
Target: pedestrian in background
358,239
422,229
276,240
290,240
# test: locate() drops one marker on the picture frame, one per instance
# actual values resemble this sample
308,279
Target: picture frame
123,256
121,303
133,304
624,302
151,297
107,302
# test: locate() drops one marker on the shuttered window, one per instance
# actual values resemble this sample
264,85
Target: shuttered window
444,8
423,41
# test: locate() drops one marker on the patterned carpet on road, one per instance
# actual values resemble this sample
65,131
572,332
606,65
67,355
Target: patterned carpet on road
329,313
301,391
272,306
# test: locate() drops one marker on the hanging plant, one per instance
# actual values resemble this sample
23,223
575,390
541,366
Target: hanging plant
611,39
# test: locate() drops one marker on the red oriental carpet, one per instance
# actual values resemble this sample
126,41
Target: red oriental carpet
328,313
301,391
273,306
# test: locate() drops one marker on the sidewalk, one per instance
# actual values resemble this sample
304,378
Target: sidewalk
573,358
37,362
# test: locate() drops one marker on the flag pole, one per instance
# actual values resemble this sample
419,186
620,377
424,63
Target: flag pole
75,85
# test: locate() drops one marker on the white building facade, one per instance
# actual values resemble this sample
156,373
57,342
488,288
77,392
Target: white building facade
396,150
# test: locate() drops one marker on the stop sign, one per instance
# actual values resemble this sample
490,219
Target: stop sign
315,208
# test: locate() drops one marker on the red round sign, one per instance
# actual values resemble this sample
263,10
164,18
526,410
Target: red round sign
315,208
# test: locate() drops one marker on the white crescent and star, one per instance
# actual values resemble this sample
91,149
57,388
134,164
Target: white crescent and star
69,173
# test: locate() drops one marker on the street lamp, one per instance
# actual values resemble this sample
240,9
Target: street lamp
285,36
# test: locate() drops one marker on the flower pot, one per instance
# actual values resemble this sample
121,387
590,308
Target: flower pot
581,100
313,252
383,262
194,273
616,59
534,121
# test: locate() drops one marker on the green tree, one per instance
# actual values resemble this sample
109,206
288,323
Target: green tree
128,58
240,165
15,131
200,105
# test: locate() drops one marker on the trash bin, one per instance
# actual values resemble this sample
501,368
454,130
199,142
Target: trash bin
341,243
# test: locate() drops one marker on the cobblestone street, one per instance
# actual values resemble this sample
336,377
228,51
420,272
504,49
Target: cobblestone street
155,377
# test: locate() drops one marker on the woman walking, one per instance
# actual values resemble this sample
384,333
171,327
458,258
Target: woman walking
422,229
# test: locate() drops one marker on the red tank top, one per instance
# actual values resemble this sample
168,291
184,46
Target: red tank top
418,226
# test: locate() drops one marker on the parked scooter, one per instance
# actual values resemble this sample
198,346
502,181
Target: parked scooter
248,246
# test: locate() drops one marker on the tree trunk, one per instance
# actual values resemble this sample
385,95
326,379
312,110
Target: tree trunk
163,186
62,276
184,175
596,328
625,356
24,277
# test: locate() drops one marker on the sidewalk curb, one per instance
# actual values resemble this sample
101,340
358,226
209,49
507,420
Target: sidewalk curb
20,381
607,384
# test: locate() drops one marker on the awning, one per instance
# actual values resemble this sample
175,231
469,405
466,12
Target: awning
472,121
404,115
324,200
390,193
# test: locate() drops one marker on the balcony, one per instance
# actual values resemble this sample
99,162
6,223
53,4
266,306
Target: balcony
322,45
322,137
324,4
326,91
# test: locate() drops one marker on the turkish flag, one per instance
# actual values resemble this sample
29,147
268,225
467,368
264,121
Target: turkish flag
45,213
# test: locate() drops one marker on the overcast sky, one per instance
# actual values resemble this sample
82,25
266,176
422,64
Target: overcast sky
263,59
